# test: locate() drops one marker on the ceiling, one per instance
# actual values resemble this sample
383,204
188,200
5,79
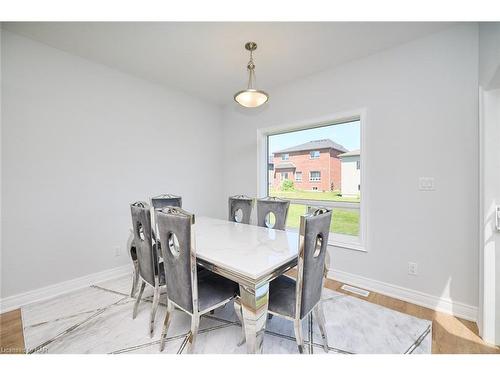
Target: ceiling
208,60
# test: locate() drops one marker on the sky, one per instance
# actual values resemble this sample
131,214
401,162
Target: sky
347,134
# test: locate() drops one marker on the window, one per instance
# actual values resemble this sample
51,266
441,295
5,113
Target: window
314,154
285,156
338,190
314,176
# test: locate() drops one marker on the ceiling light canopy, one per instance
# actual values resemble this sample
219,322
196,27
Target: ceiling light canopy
251,97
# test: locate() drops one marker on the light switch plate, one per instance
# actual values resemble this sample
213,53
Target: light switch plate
426,184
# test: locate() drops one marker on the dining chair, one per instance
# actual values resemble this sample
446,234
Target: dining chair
160,201
269,207
326,270
165,200
240,209
157,202
149,269
185,289
295,299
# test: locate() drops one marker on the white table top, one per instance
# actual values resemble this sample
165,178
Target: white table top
244,249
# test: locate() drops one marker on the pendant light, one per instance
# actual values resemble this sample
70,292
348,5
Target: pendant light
251,97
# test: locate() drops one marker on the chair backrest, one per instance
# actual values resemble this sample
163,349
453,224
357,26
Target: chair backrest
166,200
145,249
240,209
160,201
272,206
179,256
313,243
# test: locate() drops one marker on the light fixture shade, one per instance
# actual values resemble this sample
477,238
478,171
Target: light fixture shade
251,98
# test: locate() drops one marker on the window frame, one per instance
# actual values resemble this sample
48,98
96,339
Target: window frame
335,240
283,158
314,151
315,179
296,179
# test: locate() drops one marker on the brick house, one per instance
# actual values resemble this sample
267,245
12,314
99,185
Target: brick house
314,165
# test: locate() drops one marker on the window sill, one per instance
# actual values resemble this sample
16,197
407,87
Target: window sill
349,246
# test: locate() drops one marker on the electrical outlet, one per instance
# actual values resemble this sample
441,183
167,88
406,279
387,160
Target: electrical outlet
117,251
412,268
426,184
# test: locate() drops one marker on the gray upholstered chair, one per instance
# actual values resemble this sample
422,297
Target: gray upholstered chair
326,270
266,207
160,201
165,200
157,202
296,299
149,270
240,209
183,289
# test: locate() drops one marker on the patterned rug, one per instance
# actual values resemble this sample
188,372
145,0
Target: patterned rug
98,319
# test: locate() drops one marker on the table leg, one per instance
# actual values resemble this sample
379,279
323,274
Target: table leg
254,302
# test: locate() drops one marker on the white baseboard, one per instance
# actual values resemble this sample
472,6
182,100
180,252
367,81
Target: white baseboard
19,300
445,305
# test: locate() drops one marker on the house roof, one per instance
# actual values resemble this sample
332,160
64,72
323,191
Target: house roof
350,153
314,145
284,165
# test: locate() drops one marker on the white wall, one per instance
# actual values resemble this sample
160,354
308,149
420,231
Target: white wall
82,141
422,115
489,258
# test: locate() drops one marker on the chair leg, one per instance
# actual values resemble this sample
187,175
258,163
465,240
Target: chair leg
154,308
166,324
135,280
239,314
139,296
320,317
195,323
297,325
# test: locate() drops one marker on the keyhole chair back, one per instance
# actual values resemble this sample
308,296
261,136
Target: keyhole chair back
269,207
186,289
148,268
295,299
240,209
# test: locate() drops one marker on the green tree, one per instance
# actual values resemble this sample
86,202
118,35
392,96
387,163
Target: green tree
287,185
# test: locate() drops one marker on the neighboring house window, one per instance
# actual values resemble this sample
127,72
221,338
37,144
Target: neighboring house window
332,181
314,154
314,176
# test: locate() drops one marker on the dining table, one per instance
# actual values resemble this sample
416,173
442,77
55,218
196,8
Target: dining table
251,256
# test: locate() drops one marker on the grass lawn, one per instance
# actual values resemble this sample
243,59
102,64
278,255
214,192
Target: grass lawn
343,221
303,194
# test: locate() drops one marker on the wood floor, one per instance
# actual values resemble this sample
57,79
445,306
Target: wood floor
449,334
11,333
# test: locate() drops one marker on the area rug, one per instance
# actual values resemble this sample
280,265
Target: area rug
98,319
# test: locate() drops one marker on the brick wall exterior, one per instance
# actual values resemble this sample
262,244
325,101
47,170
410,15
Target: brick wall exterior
328,164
